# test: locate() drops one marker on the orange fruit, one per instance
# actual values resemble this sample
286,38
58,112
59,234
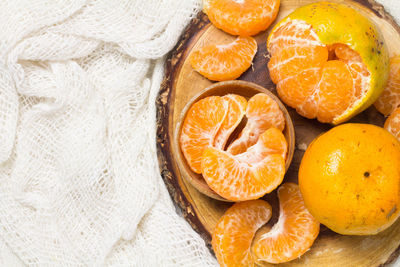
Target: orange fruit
224,61
328,61
292,235
209,122
350,179
241,17
200,127
249,175
262,113
392,124
232,237
236,110
390,98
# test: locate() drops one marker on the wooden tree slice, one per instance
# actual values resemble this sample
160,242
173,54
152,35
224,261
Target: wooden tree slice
181,83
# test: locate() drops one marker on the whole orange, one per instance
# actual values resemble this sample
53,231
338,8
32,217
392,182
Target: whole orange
350,179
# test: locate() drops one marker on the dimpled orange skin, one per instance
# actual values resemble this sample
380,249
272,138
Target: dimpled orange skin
350,179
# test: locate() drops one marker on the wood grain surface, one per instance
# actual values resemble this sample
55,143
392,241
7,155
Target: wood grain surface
181,83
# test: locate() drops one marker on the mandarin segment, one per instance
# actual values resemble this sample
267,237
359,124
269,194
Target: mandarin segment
286,63
233,235
236,110
296,90
262,113
200,127
358,69
390,98
272,141
224,61
237,181
241,17
293,234
321,49
335,90
296,33
392,124
249,175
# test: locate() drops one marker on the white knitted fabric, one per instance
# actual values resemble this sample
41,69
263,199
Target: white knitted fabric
79,180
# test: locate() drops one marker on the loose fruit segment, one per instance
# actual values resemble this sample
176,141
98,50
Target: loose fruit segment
390,98
262,113
392,124
224,62
241,17
236,110
249,175
235,230
292,235
200,127
328,61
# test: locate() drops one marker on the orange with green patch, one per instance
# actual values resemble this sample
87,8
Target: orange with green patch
350,179
321,46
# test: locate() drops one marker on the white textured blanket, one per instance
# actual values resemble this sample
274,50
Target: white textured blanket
79,181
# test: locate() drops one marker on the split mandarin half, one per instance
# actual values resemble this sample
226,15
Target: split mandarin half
224,62
328,61
350,179
236,110
234,233
200,126
241,17
293,234
249,175
392,124
210,122
390,98
262,113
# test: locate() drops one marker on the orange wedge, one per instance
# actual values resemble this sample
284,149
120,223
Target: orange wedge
262,113
292,235
224,61
241,17
270,142
390,98
236,110
392,124
232,237
201,125
249,175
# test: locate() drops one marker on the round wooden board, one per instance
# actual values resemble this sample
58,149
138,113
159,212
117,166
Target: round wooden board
181,83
